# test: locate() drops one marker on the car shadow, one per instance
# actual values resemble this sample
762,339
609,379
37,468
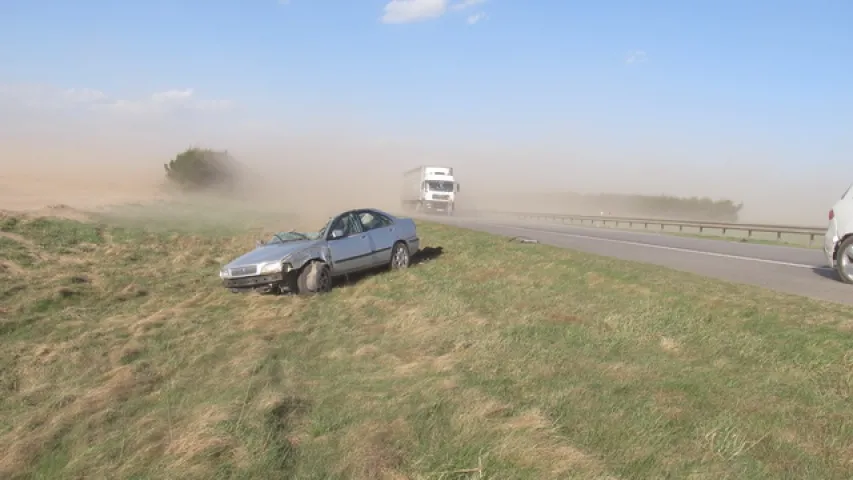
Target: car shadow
424,255
827,272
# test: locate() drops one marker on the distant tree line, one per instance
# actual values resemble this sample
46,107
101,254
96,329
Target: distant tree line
623,205
665,206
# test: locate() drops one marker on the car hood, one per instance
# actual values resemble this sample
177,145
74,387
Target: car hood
269,253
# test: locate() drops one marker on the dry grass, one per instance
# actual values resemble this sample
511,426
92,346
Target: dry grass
123,358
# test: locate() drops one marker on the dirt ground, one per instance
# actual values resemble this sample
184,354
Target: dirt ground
27,188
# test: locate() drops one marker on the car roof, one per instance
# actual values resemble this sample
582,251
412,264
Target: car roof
371,209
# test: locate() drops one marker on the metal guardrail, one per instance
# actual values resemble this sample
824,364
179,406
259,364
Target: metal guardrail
596,220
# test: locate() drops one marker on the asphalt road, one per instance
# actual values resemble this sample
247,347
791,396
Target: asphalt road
798,271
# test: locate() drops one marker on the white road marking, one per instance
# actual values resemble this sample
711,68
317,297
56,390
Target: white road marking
664,247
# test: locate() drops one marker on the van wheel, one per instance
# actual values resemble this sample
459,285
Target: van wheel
316,277
844,260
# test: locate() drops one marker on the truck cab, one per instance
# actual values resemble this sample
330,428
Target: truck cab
439,190
430,189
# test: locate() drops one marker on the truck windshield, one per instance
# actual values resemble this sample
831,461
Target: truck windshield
439,186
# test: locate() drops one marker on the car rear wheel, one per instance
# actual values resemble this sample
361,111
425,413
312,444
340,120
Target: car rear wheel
316,277
399,256
844,260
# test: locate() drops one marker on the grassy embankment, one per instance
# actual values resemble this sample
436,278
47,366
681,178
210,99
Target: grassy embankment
123,358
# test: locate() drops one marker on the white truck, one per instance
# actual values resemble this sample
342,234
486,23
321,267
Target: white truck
429,189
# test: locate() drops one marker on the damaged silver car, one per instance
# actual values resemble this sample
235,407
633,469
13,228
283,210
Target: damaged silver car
306,262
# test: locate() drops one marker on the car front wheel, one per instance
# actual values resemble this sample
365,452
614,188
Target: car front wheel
315,278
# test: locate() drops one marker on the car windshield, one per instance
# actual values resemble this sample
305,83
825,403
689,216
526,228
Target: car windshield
439,186
283,237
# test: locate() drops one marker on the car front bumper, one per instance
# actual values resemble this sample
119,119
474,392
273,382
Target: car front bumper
255,281
828,248
830,240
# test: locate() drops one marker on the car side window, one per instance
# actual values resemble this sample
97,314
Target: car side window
342,225
354,226
373,220
348,224
368,220
383,220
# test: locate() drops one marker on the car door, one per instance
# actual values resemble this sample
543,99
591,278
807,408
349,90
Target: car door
351,252
380,229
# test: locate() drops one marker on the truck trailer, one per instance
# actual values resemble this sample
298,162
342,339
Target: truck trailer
429,189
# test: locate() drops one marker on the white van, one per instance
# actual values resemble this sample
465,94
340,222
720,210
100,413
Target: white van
838,241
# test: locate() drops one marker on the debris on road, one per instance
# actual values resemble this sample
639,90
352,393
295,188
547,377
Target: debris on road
523,240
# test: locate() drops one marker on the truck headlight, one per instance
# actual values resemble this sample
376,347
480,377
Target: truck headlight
223,273
270,268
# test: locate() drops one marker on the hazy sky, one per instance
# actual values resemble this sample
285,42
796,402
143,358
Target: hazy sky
746,99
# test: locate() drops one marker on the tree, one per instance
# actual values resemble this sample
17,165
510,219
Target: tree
202,169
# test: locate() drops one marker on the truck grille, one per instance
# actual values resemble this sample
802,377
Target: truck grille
440,197
240,271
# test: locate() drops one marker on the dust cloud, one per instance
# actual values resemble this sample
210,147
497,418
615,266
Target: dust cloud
315,171
309,177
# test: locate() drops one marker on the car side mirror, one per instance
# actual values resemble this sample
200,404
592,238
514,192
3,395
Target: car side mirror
260,243
337,233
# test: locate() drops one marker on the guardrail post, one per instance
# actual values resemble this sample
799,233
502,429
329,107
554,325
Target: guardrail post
724,232
681,228
811,239
749,233
701,228
779,236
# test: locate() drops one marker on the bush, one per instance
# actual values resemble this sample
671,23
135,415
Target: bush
197,169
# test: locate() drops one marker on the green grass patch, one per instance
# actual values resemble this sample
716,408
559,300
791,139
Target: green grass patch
123,357
208,217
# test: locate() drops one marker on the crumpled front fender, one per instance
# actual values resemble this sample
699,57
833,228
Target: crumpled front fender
315,252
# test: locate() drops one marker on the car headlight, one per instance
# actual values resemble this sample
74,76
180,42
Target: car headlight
223,273
270,268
